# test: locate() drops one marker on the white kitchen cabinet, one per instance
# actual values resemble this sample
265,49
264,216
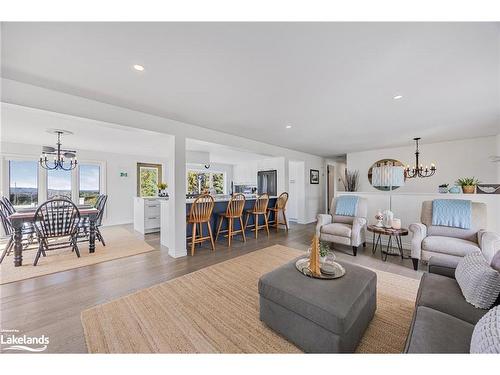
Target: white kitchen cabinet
147,215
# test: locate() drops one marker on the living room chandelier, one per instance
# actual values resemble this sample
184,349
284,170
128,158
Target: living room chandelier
59,155
418,170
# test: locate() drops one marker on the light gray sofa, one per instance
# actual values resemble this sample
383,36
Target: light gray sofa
443,320
345,230
451,243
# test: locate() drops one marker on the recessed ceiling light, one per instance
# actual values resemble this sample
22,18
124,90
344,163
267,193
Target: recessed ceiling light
138,67
397,97
288,126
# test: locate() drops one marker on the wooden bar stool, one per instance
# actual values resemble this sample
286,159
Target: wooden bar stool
200,213
280,206
260,208
234,211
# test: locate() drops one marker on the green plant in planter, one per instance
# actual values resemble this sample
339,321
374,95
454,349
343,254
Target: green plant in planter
467,181
324,248
162,186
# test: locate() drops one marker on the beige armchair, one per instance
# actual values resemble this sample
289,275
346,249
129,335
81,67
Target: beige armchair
345,230
452,243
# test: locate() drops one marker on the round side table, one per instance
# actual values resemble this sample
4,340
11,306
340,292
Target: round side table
396,233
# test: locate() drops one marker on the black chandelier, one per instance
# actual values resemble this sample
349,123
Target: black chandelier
418,170
59,155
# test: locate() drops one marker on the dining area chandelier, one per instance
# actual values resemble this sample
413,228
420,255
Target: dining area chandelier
418,169
53,158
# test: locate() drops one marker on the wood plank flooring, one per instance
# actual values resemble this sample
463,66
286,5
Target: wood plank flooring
52,304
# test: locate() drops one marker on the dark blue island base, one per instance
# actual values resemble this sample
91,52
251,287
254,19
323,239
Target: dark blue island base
220,207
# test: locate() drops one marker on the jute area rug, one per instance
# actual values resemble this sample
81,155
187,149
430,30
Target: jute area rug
120,243
216,310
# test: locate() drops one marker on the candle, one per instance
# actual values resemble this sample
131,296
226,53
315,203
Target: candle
396,223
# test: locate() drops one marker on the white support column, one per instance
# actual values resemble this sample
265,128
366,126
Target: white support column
286,170
177,186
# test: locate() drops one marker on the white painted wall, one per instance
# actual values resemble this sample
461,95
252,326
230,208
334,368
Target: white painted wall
296,205
454,159
498,154
120,190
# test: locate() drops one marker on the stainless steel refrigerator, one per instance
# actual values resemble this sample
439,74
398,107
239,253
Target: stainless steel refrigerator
267,182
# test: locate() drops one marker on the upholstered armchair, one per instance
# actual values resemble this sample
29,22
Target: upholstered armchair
449,242
345,230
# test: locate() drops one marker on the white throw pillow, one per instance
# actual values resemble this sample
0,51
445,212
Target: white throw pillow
479,282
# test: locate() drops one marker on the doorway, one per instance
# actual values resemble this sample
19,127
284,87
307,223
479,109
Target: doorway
296,208
331,184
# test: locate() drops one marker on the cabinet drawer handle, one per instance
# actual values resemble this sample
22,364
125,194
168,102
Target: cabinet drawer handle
154,217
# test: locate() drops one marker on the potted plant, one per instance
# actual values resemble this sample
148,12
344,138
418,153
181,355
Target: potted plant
324,249
468,184
162,189
443,188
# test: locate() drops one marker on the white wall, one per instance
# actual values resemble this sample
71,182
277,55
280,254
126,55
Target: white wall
453,159
120,190
498,154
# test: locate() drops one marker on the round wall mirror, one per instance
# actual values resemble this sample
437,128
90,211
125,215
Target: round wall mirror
387,174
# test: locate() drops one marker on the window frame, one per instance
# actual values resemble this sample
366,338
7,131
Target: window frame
6,163
140,165
210,172
42,178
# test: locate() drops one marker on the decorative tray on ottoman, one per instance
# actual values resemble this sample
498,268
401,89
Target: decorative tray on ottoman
329,270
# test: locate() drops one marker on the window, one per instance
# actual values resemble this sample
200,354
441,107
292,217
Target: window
89,183
148,177
200,181
58,183
23,182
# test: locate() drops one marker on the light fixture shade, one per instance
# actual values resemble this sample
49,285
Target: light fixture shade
388,176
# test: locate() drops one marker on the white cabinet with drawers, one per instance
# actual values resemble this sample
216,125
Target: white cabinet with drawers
147,215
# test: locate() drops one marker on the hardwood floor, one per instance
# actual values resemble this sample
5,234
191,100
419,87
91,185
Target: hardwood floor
51,304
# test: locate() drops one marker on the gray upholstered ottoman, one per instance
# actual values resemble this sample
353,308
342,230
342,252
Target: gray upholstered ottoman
319,316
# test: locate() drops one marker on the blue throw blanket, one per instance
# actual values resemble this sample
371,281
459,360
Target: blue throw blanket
346,205
452,213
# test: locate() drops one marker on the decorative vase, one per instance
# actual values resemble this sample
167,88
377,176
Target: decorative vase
163,193
388,216
469,189
443,189
455,190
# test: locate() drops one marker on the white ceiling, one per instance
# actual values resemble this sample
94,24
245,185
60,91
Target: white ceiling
29,126
223,154
334,82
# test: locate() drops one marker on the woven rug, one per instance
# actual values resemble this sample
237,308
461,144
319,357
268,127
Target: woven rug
216,310
120,243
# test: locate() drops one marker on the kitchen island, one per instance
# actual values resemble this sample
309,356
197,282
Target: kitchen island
220,206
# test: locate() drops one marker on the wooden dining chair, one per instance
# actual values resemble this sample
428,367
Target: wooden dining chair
234,211
27,231
199,214
279,208
260,208
84,226
56,218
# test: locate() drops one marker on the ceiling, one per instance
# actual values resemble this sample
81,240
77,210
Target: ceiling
333,82
18,122
29,126
223,154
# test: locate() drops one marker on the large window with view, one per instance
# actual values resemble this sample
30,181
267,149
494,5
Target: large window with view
201,181
23,183
58,183
89,178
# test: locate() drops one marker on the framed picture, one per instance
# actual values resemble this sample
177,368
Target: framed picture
488,189
313,176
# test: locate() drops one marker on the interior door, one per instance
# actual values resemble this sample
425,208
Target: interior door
331,184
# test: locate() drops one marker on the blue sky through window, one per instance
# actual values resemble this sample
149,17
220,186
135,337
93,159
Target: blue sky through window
89,177
23,174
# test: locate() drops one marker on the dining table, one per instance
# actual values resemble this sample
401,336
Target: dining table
21,217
